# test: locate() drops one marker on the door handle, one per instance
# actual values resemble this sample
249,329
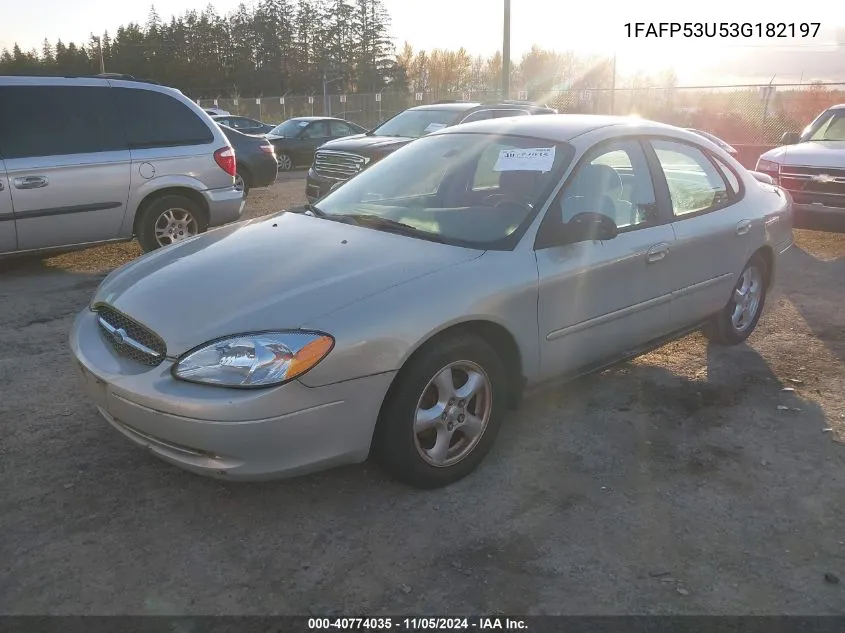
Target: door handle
2,186
31,182
657,252
742,228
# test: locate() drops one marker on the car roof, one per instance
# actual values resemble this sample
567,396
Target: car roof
316,118
559,127
456,106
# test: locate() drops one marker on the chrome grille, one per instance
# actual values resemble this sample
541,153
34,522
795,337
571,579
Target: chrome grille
815,184
337,165
130,338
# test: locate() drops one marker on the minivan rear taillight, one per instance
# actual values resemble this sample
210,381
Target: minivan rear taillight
225,158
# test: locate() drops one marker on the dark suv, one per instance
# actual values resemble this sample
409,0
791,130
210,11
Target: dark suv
339,160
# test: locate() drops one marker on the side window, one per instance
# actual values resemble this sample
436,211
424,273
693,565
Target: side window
58,120
320,129
155,119
613,180
695,184
728,175
339,128
503,114
481,115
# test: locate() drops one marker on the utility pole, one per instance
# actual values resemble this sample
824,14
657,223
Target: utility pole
506,52
327,107
100,48
613,84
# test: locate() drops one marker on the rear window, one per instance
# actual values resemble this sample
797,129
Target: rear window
155,119
58,120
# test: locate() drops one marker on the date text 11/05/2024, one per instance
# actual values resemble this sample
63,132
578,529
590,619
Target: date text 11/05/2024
418,624
722,29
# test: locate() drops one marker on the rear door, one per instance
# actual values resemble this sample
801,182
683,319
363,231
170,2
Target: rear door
8,235
314,135
67,163
715,229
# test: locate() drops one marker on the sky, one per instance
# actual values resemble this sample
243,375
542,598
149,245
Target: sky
582,26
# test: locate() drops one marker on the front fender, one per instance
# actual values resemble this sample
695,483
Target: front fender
379,334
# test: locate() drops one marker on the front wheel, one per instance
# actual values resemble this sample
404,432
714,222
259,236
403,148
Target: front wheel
735,322
168,220
442,416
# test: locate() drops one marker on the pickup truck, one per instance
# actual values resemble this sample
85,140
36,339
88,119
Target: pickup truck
811,165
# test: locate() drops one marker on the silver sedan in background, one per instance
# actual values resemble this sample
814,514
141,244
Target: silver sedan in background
403,314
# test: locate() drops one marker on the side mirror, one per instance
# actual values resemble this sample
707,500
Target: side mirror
790,138
589,226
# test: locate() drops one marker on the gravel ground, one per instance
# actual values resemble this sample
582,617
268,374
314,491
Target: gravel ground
672,484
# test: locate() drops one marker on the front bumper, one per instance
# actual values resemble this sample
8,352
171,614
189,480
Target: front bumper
817,207
228,433
317,186
224,205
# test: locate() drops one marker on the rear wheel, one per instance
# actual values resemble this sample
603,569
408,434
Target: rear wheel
243,180
442,416
285,162
735,322
168,220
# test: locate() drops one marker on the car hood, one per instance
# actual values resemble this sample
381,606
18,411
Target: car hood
278,272
810,154
362,143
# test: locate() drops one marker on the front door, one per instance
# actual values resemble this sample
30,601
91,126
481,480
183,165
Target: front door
714,228
8,235
601,299
67,163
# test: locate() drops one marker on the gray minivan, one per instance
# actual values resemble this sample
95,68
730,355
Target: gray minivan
87,160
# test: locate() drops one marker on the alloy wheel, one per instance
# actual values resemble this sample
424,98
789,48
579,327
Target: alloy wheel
452,413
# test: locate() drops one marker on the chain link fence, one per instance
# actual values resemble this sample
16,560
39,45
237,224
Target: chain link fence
741,115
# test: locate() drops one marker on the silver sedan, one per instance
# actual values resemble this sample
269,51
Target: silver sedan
401,315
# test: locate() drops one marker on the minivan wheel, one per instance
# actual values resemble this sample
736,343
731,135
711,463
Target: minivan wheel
169,220
285,162
442,416
735,322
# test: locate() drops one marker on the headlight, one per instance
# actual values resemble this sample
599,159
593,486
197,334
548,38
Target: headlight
767,166
261,359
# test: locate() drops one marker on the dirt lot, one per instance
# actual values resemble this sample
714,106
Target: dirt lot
672,484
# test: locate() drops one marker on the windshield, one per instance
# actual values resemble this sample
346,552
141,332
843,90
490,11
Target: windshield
289,128
477,190
828,127
417,123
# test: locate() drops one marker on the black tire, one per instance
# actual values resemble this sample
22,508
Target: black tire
152,213
246,176
721,329
395,441
285,162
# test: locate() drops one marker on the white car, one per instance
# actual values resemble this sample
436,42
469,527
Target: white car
811,165
730,149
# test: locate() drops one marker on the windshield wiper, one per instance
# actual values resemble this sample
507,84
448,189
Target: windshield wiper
314,210
379,222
